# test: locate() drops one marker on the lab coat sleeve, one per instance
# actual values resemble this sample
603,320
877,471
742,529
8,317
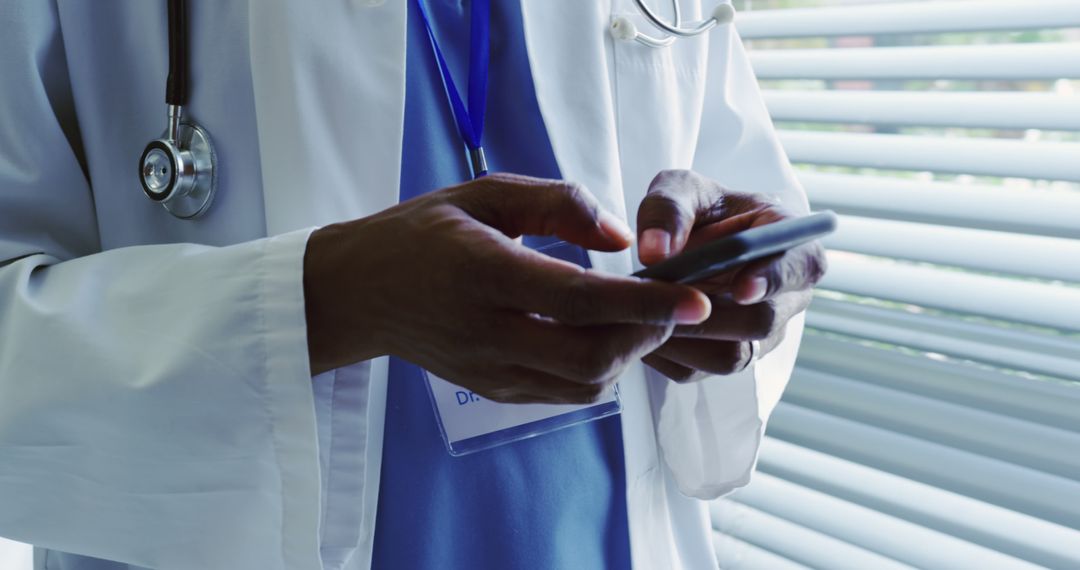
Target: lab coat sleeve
155,401
710,431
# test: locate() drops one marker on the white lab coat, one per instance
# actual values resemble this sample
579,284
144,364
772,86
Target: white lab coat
156,405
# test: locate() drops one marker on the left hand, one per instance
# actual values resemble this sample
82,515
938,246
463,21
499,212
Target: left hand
754,302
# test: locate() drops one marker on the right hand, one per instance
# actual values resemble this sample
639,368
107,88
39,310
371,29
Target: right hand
440,281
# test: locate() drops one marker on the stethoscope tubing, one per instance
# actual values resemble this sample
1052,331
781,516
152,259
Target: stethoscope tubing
176,85
177,170
674,29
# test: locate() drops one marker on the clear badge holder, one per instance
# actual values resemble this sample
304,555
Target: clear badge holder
469,423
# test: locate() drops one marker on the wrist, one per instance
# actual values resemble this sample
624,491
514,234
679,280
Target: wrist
341,329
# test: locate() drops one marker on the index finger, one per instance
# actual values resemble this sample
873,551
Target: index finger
572,295
517,205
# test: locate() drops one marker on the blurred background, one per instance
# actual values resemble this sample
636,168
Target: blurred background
933,420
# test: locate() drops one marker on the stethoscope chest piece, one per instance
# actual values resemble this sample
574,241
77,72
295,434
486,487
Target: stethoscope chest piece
177,171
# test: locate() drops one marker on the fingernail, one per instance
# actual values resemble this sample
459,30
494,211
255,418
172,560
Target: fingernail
655,243
693,311
613,226
753,292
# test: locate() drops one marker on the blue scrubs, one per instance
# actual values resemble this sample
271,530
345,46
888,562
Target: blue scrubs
555,501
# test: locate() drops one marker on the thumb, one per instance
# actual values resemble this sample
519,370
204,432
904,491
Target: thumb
517,205
670,210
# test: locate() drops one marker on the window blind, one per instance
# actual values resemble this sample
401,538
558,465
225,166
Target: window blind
933,419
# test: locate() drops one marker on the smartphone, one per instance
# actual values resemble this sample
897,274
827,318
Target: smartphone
722,254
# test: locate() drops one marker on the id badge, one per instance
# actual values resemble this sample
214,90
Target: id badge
470,423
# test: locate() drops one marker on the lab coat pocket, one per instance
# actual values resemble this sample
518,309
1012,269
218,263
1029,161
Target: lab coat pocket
659,96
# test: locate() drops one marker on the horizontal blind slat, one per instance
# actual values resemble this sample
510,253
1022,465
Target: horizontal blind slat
1011,486
909,17
1021,210
992,390
982,250
920,321
992,110
877,532
980,156
793,541
735,554
988,525
876,327
1022,442
993,297
1040,61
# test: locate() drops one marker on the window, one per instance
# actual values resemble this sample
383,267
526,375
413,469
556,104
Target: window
934,416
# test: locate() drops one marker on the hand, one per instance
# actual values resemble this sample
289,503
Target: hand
751,303
440,281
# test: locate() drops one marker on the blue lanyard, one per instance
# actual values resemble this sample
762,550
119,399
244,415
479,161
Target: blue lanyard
470,121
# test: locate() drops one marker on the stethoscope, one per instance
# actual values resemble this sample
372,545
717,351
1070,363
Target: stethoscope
622,28
177,170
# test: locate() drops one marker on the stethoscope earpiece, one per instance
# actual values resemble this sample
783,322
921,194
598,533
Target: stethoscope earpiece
177,170
724,13
623,29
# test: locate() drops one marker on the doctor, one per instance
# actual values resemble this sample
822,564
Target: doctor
239,390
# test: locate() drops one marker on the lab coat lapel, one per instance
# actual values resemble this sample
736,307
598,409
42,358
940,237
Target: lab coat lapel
568,55
571,57
616,114
330,142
